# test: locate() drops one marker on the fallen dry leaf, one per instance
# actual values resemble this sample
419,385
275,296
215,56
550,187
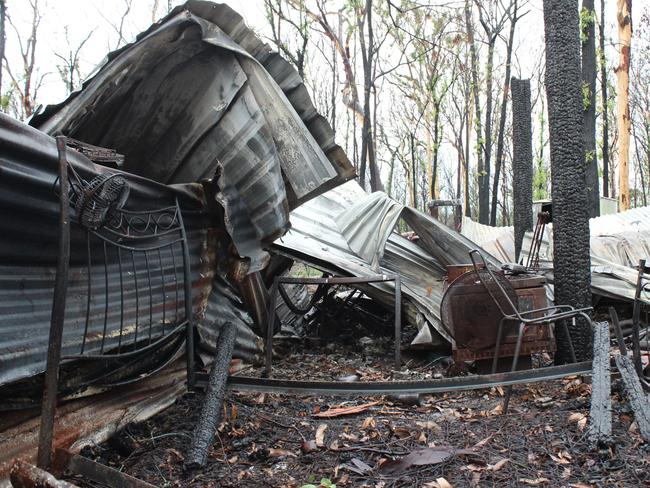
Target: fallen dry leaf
580,485
483,442
575,417
422,457
308,446
498,465
369,423
320,435
281,453
338,412
429,424
357,466
443,483
533,482
401,432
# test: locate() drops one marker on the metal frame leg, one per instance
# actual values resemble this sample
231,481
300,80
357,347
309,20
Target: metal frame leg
515,360
187,287
46,432
497,347
398,322
268,358
568,336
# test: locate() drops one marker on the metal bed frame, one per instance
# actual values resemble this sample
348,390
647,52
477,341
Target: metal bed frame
137,242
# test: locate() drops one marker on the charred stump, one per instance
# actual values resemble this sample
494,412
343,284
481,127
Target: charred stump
635,394
522,161
210,417
571,260
600,414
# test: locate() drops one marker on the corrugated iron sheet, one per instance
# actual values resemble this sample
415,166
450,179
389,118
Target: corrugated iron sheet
348,232
617,243
199,96
28,249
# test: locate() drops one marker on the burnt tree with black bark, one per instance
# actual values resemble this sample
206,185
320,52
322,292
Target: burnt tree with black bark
522,160
571,260
588,39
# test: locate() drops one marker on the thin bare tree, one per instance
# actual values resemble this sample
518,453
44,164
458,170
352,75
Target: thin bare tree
624,18
69,69
25,78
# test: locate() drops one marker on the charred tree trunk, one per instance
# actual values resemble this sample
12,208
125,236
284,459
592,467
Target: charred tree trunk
522,161
624,17
571,260
588,38
210,417
502,123
603,95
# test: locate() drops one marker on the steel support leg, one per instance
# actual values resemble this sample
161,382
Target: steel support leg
398,322
50,391
269,329
515,360
497,347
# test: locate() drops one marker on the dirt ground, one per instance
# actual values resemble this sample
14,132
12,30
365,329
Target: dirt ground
458,439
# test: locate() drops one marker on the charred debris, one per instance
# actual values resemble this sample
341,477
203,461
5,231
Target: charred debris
188,223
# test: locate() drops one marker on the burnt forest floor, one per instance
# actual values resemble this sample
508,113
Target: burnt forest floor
271,440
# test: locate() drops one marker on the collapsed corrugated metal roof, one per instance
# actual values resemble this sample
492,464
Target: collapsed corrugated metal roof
196,97
617,243
199,96
347,231
28,250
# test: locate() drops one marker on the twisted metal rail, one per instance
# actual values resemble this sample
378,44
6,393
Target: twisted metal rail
337,388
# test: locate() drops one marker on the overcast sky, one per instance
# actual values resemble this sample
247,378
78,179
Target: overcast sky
80,18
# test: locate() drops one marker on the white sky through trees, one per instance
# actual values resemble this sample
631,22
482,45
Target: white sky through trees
66,23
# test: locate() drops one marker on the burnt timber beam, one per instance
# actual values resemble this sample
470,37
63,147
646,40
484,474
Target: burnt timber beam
600,414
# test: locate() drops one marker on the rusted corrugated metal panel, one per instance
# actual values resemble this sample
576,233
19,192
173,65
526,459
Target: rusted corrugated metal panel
223,306
349,232
199,96
90,420
28,205
617,243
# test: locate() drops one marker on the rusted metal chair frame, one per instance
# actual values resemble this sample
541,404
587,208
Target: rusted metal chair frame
642,284
550,315
131,232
